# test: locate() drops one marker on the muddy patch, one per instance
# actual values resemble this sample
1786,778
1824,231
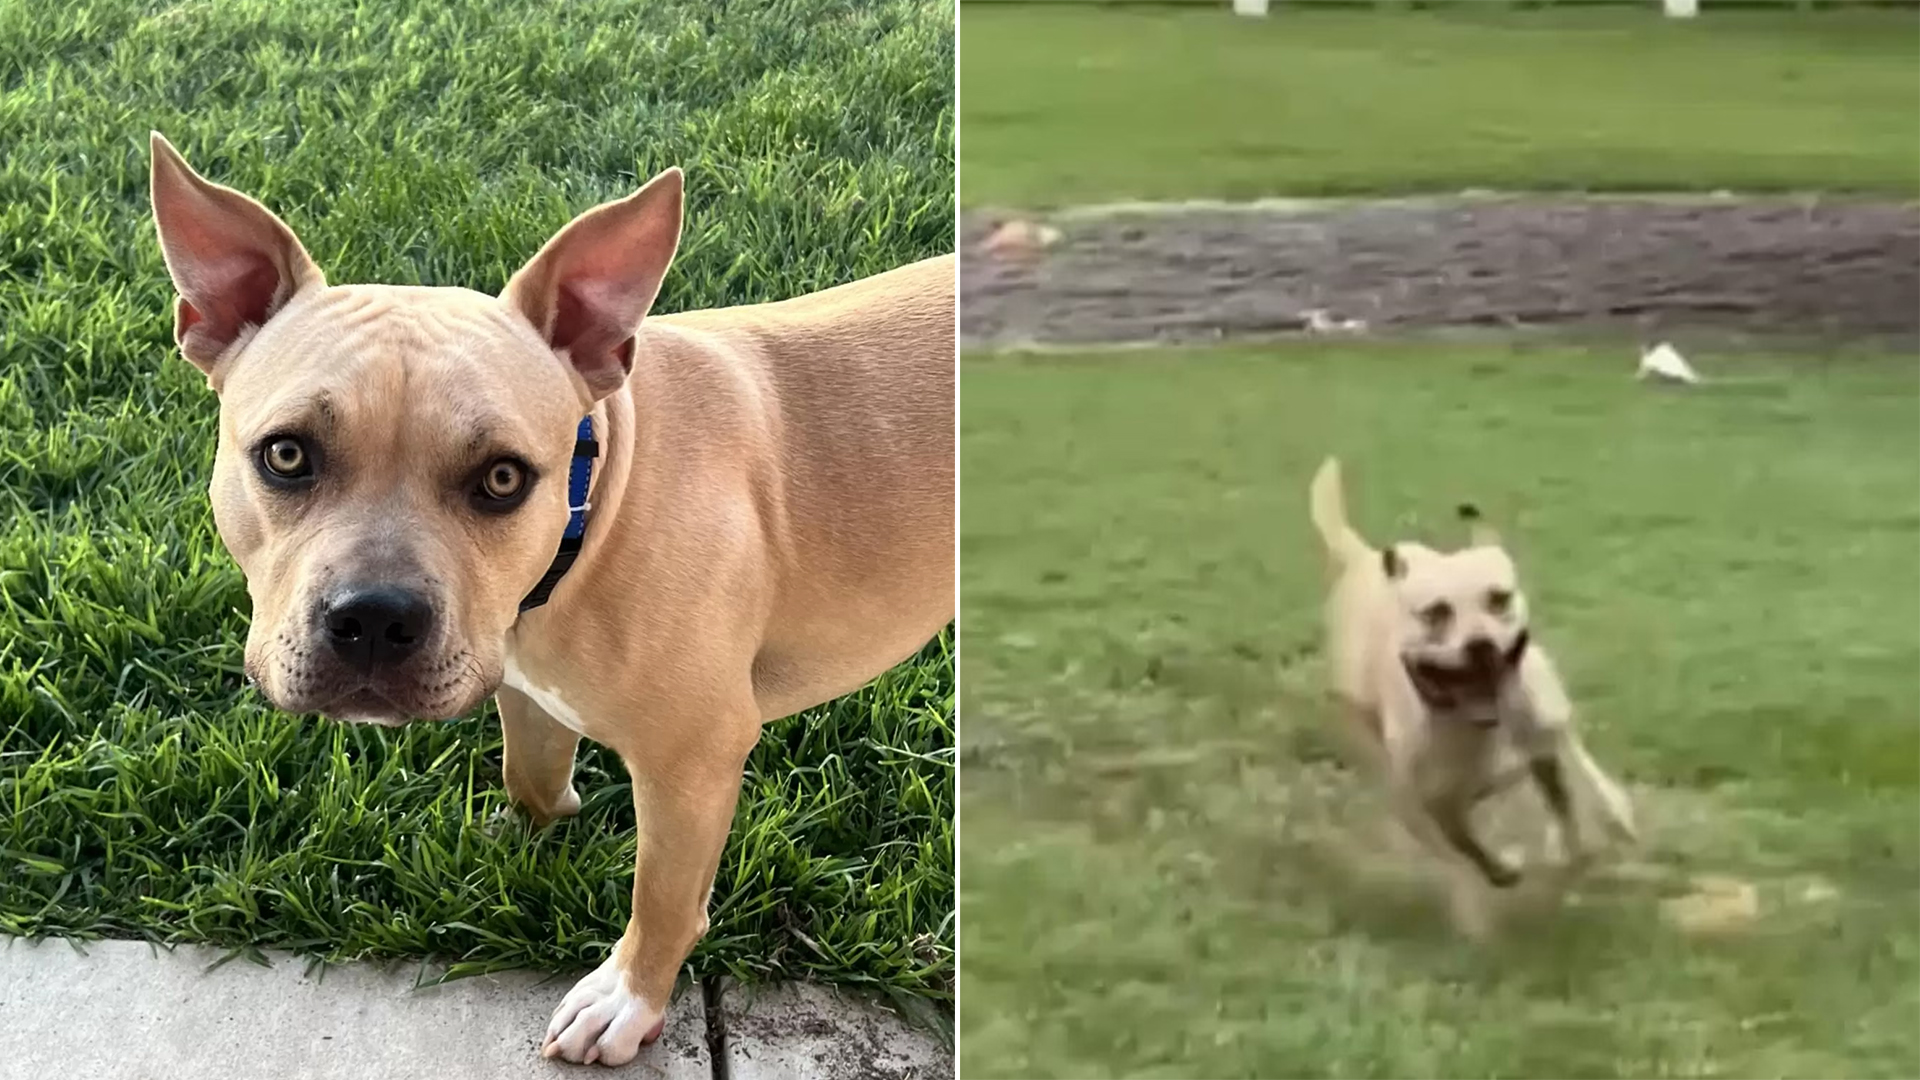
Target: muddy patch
1800,267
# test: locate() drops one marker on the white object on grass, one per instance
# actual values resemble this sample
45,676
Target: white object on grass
1320,321
1664,362
1682,9
1250,7
1018,238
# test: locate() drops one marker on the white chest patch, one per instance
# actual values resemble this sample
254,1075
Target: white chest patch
548,700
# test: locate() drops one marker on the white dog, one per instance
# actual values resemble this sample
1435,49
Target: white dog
1432,653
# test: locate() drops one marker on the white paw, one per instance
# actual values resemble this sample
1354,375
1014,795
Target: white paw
602,1019
508,813
567,805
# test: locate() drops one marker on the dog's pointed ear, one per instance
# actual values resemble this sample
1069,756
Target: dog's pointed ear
233,262
1392,562
588,289
1478,531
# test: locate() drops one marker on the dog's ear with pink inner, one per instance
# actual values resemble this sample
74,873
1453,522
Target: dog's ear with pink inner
233,262
588,289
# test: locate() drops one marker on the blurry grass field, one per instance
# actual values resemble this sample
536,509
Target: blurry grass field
1167,873
143,791
1068,104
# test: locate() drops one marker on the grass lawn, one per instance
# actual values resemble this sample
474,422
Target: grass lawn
1067,104
143,791
1167,873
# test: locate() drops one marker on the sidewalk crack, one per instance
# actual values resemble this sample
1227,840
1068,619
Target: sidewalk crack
712,990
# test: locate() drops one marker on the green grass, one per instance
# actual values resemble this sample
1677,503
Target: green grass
1075,104
143,791
1167,873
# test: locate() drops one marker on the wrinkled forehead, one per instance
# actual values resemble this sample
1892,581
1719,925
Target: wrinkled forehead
1437,575
438,364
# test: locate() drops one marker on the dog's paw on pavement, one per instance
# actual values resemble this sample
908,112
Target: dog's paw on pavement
602,1020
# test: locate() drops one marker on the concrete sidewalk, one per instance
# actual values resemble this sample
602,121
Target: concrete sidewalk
126,1010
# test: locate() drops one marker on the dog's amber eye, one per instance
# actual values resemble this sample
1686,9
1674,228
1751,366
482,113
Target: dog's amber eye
505,479
286,458
1499,600
1437,614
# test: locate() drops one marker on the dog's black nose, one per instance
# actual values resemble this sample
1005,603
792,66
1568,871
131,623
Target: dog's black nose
378,625
1483,654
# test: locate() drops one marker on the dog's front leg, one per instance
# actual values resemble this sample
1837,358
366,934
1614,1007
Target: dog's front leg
1436,818
684,790
1548,777
1446,837
1615,807
1449,812
536,758
1549,732
1400,749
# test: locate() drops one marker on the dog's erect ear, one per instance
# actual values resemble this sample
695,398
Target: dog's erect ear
588,289
233,263
1478,531
1391,562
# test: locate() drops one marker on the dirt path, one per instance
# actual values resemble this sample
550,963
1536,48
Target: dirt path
1797,266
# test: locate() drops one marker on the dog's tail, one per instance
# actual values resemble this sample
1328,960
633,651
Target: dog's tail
1327,505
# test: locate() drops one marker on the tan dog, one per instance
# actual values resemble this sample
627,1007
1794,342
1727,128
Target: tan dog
768,522
1433,653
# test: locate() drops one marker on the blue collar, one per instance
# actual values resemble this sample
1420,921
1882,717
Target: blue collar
579,477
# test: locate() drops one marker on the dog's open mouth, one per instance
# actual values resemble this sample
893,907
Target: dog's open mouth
1472,687
1448,689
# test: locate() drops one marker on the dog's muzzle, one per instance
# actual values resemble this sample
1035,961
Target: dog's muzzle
1473,686
376,650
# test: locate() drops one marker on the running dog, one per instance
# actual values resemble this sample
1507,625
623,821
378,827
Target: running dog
1433,654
